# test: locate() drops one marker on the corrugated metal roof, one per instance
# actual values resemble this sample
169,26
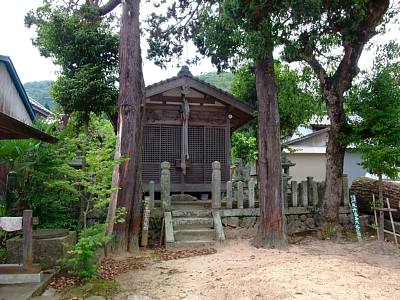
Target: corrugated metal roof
39,108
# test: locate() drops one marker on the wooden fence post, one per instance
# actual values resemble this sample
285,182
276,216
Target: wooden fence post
151,194
240,194
229,199
165,183
251,185
27,258
216,184
295,196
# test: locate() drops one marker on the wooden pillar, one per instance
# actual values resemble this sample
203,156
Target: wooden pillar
229,199
151,194
27,258
251,185
228,136
216,184
295,196
240,194
165,183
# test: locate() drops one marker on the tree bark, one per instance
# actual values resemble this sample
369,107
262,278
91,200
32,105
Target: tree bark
364,188
333,88
272,226
335,151
130,130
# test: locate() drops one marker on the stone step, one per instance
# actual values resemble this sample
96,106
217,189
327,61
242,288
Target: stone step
192,213
194,244
190,223
186,205
194,234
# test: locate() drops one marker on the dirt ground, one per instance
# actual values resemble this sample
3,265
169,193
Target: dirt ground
311,269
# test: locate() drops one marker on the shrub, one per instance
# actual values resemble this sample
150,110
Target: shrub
82,261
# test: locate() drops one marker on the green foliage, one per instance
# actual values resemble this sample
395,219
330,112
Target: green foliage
328,231
376,103
244,146
298,98
41,179
82,261
40,91
44,181
221,80
84,45
95,287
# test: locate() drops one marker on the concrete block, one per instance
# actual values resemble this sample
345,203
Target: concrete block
46,251
20,278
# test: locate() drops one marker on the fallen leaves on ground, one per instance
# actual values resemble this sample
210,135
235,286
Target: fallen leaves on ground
108,269
165,254
60,282
111,268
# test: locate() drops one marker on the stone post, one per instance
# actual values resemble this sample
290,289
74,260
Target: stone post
165,183
151,194
216,185
315,194
304,193
251,185
310,181
229,199
346,199
285,196
145,222
295,196
240,194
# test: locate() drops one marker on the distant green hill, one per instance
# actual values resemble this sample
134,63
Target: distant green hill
40,91
221,80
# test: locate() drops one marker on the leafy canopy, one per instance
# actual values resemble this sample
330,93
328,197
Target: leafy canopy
85,47
376,103
298,98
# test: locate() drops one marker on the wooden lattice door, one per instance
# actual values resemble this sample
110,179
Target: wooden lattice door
163,143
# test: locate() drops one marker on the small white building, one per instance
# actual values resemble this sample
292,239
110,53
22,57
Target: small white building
309,156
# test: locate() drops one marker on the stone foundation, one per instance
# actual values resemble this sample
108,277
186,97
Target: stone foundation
298,223
46,251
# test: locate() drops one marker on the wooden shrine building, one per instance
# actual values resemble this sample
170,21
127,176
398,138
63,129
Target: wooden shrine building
189,124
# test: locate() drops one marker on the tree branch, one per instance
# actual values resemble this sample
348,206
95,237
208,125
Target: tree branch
108,7
348,66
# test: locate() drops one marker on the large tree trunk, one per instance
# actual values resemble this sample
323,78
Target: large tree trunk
272,226
127,178
335,151
363,188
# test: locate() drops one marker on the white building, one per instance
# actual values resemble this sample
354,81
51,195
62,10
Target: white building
309,155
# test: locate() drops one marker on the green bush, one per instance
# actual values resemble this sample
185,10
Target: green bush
43,180
82,261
